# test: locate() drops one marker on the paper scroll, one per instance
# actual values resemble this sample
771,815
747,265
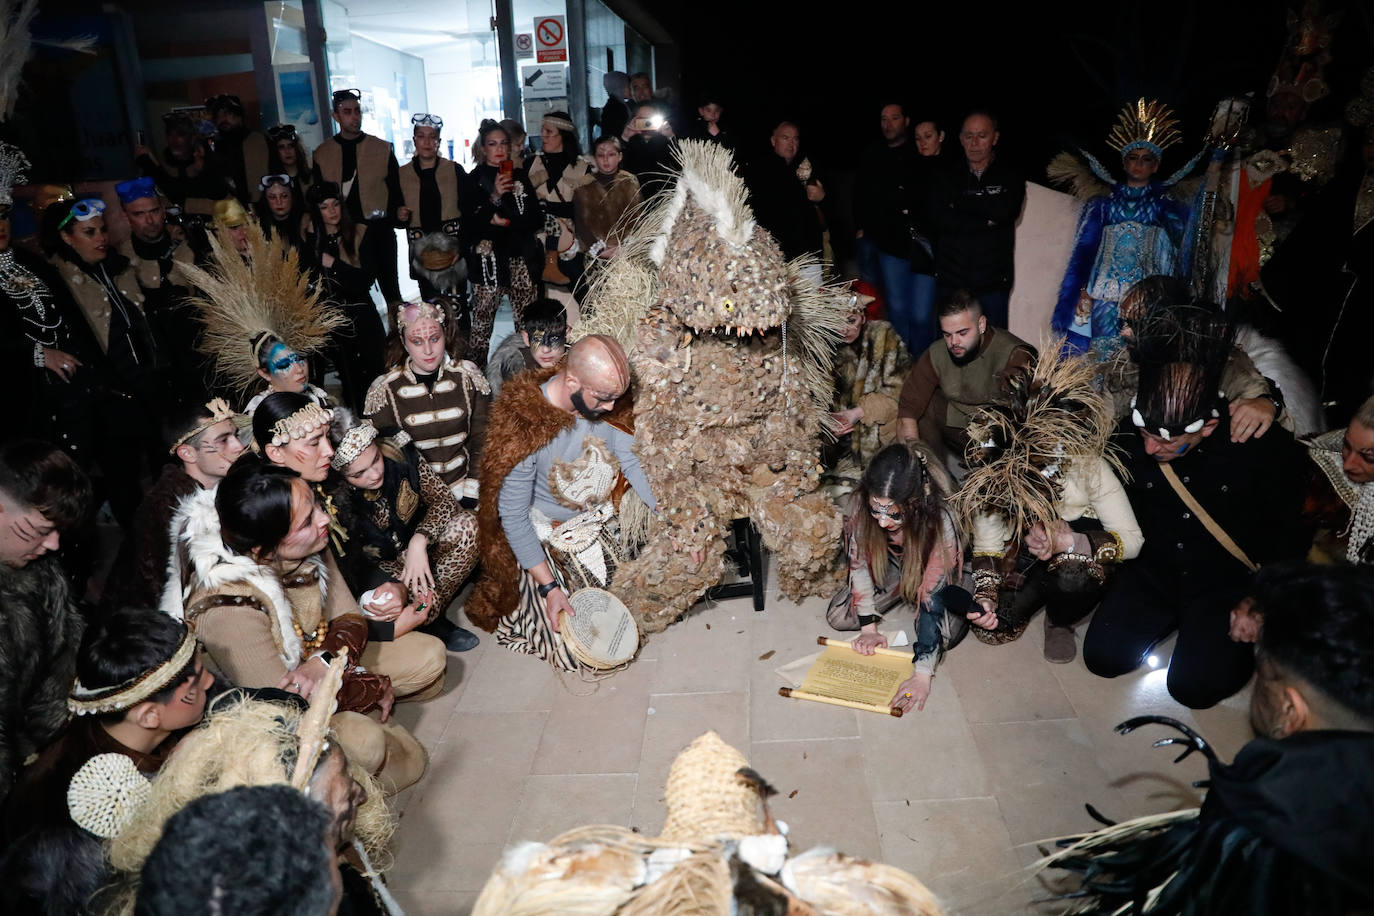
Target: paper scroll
843,677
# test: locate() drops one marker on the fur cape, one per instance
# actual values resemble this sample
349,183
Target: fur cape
200,562
40,630
522,422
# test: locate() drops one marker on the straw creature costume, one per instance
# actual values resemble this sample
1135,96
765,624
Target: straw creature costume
731,349
250,303
272,744
720,853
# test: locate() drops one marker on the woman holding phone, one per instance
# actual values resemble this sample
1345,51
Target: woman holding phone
502,217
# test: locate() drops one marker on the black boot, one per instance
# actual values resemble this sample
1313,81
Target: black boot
456,638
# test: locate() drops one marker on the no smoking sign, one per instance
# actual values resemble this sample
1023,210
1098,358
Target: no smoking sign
550,39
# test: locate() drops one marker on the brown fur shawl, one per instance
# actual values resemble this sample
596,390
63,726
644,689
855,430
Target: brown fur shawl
522,421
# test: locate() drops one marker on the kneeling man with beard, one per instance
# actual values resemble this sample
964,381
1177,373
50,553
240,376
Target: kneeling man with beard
556,461
957,376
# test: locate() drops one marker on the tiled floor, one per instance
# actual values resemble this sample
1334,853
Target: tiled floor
1006,752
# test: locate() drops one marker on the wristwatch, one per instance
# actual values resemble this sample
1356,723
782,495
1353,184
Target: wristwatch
325,656
546,588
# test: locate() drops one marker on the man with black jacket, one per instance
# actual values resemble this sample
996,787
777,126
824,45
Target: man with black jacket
1211,510
890,213
786,195
975,209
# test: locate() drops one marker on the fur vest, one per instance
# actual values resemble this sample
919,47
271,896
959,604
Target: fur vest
522,422
40,630
373,159
599,212
201,564
445,178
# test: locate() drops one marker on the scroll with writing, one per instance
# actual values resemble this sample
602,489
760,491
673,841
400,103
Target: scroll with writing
842,677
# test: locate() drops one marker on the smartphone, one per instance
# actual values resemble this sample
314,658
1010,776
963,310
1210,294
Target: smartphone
507,167
643,124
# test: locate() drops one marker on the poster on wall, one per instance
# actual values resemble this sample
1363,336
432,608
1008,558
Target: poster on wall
296,102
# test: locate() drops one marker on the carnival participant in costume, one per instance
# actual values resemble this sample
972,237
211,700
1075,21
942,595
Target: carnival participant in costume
903,549
541,345
338,253
139,682
242,851
433,188
433,400
958,376
105,288
502,215
189,174
233,225
49,358
1127,230
601,207
275,745
556,172
281,208
1211,509
870,365
404,526
262,319
288,157
1340,501
203,440
1043,499
42,495
731,349
251,573
1286,826
559,447
242,154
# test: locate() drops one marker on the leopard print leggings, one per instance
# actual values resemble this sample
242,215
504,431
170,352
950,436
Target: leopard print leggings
487,299
452,559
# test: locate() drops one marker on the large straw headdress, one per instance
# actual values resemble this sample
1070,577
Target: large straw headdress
248,301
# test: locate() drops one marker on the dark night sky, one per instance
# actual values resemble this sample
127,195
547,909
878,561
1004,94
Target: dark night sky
1056,73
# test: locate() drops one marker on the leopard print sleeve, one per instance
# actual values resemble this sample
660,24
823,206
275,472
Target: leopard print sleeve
441,505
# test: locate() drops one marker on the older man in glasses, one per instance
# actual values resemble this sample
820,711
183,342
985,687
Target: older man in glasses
365,168
242,154
431,187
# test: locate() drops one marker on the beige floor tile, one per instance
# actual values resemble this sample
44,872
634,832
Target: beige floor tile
705,652
603,733
822,793
959,848
1041,774
927,754
1010,683
676,721
506,681
777,718
428,858
554,804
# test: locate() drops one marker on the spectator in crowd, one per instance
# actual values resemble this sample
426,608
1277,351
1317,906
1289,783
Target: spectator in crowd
930,138
641,88
955,377
556,172
647,145
1339,503
787,195
903,547
203,440
246,850
519,145
106,290
708,125
344,260
890,215
43,494
975,209
615,114
188,175
287,156
366,179
432,188
601,207
232,224
281,209
541,345
139,684
407,525
502,217
243,155
1210,509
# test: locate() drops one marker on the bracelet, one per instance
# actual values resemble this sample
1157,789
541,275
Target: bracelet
546,588
866,619
985,584
38,356
1111,552
1090,565
597,247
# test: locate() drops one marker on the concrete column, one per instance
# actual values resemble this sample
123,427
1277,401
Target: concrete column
578,90
314,42
505,51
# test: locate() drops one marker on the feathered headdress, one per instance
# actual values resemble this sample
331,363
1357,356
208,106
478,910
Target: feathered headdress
1020,450
14,167
246,302
1148,125
1182,352
16,44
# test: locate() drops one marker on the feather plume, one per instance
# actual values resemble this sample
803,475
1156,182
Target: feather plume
240,298
1020,450
1067,171
16,44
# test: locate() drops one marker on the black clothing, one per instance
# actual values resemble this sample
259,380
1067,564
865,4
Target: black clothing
358,349
778,197
368,544
892,199
431,202
382,226
175,182
229,160
172,319
556,164
649,157
702,131
517,240
974,218
614,116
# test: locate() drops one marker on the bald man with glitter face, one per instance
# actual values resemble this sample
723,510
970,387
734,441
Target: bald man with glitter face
557,445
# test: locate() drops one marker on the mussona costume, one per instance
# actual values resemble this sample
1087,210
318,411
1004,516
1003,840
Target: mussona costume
256,624
40,630
524,424
411,500
1341,511
443,414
